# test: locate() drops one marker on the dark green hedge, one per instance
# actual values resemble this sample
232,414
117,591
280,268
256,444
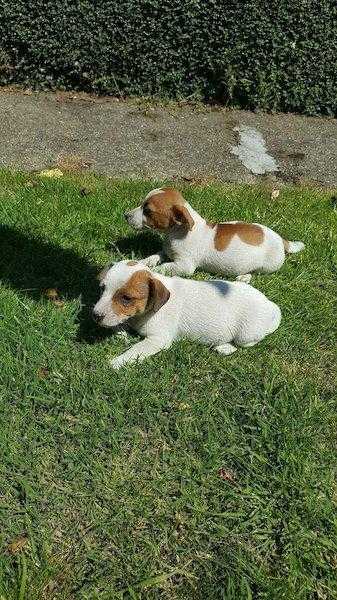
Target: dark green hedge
275,55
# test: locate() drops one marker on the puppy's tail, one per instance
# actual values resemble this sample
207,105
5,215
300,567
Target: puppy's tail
293,247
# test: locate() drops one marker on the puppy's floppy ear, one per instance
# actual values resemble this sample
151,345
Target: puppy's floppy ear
158,294
181,216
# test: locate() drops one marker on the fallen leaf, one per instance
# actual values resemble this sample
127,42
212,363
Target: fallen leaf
42,372
183,406
52,173
50,587
58,303
31,184
73,163
51,293
17,545
226,474
275,194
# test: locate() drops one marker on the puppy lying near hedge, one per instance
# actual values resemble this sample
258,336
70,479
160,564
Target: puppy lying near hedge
234,248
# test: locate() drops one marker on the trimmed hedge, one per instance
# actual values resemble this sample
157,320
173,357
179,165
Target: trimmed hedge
273,55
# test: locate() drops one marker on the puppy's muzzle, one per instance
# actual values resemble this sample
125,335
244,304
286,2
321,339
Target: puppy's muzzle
134,218
97,317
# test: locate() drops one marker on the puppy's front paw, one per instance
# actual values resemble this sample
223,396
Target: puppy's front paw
122,334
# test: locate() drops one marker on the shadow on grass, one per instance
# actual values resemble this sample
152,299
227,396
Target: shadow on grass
142,244
31,265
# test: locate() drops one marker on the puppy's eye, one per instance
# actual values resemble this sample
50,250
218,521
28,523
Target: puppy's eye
126,300
146,211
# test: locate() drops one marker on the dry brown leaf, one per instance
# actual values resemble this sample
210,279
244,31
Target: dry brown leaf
58,303
226,475
52,173
73,163
42,372
17,545
275,194
183,406
31,184
51,293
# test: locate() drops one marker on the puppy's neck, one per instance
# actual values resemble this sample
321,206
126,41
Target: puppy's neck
198,219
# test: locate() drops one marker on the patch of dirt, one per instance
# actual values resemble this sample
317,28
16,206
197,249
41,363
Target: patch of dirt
73,163
154,136
295,157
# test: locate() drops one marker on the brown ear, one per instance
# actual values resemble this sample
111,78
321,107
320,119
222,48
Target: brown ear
158,294
181,216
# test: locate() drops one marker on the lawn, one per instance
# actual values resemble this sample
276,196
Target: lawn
191,475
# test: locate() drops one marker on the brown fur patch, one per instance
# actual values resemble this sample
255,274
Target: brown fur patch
132,263
140,294
166,209
248,233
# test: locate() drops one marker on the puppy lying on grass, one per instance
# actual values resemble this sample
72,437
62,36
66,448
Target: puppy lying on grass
161,309
234,248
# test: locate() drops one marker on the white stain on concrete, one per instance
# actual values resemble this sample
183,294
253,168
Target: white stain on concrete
252,151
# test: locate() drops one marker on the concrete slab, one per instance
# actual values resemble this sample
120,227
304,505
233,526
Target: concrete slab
132,139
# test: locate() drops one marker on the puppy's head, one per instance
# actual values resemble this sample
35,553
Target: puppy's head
162,209
129,289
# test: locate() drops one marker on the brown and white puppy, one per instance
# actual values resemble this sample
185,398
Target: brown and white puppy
222,314
234,248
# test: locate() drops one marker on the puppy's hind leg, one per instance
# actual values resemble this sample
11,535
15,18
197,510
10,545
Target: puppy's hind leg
246,278
153,260
225,349
249,344
183,267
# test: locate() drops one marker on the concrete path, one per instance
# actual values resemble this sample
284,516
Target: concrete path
126,138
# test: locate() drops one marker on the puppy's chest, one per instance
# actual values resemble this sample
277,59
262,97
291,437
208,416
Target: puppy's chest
178,248
144,325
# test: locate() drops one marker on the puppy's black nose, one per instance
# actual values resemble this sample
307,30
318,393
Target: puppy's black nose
97,317
126,215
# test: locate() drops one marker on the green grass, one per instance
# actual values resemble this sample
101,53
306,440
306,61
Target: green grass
113,477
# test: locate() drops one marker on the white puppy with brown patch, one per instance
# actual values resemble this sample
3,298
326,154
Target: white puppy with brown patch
161,309
234,248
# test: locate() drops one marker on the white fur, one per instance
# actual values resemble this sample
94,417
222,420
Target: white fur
189,250
218,313
295,247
